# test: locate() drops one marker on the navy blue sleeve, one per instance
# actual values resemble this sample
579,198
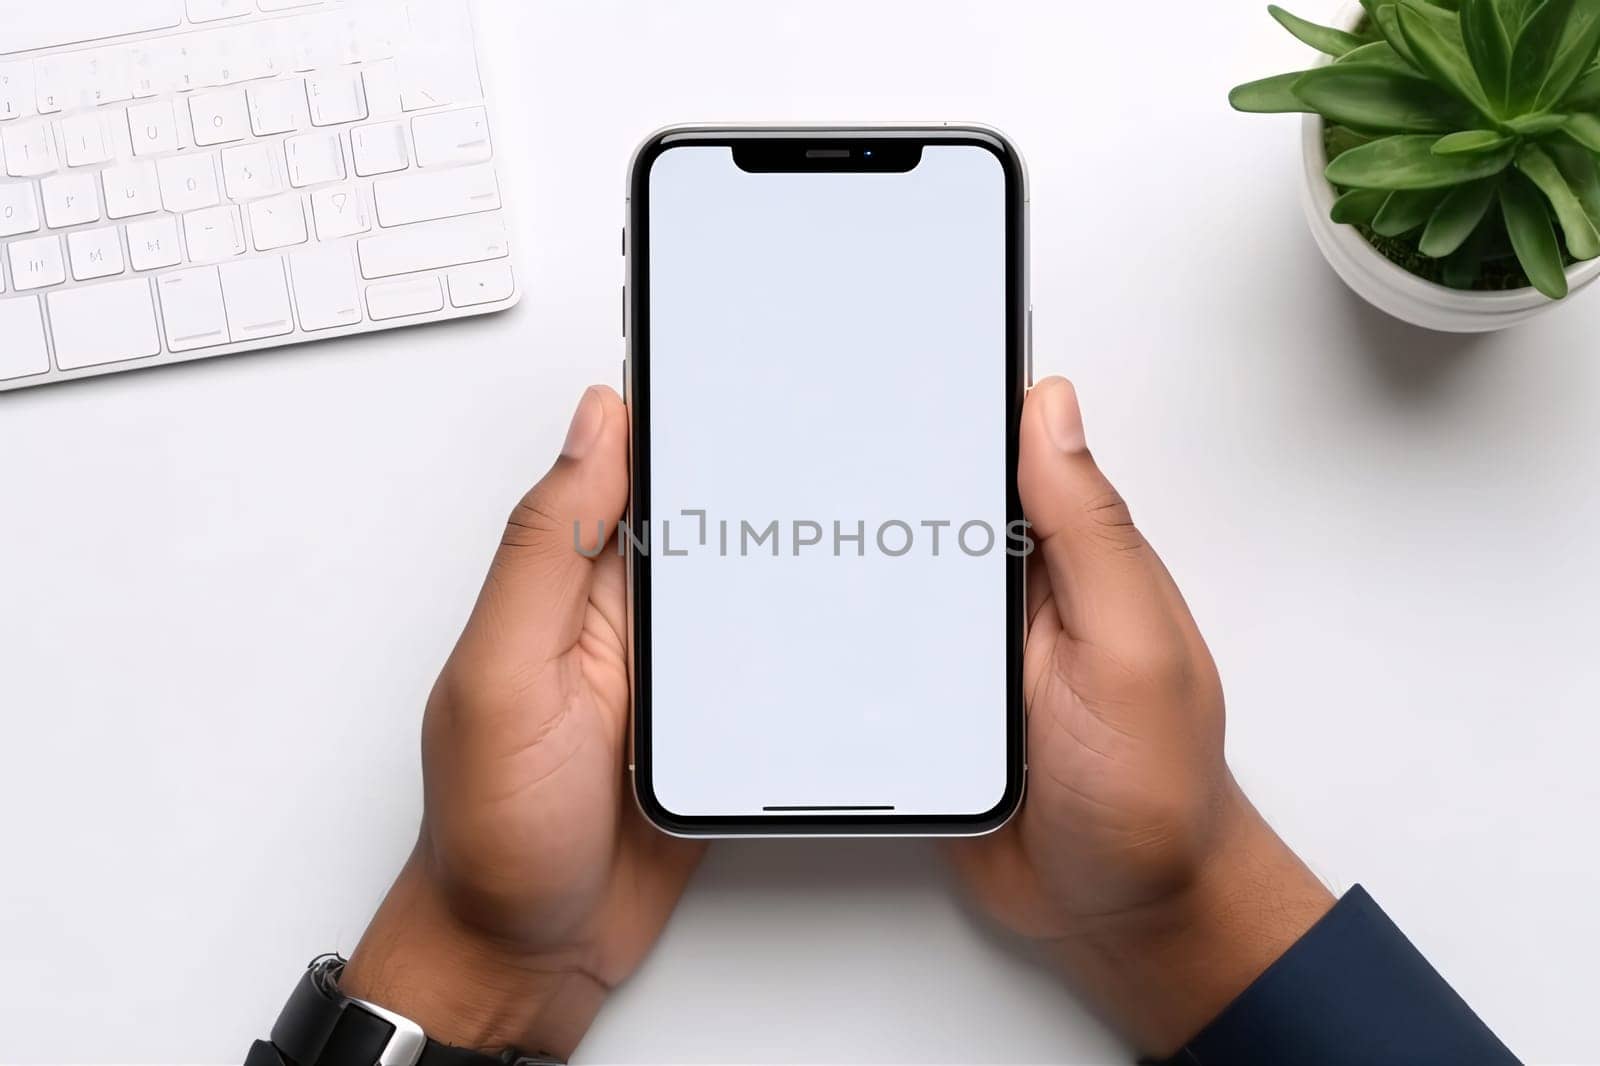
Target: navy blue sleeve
1352,992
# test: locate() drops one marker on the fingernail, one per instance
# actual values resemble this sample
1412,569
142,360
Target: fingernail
586,424
1063,418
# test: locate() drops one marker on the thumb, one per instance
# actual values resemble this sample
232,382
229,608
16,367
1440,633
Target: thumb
1110,589
538,587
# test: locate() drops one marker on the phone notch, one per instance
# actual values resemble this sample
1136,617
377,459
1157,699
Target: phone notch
854,156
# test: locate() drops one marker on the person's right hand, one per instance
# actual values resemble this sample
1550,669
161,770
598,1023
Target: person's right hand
1136,857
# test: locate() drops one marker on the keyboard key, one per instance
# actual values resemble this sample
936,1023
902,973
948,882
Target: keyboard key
19,209
339,211
381,82
203,64
95,253
257,299
489,283
378,31
287,5
24,353
313,42
270,40
279,222
84,137
153,128
102,324
278,107
31,26
216,10
252,171
37,263
109,76
214,234
336,99
220,117
192,308
70,200
231,56
314,159
452,138
442,71
325,288
153,244
30,150
432,246
188,182
16,90
142,73
131,189
401,299
434,82
169,65
444,194
379,149
59,84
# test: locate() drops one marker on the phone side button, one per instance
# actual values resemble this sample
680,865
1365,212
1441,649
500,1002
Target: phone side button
624,380
624,311
1030,345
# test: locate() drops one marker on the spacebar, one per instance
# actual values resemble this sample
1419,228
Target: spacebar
29,24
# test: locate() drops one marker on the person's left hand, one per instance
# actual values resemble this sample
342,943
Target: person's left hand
536,885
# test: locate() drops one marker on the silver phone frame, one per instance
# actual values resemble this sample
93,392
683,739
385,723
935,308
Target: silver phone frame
787,130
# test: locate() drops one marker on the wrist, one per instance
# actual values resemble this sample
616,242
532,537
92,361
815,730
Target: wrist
1162,973
466,989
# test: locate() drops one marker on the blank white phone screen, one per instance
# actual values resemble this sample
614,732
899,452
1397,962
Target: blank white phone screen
827,363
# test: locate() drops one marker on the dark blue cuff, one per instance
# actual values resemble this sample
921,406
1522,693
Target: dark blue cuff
1352,992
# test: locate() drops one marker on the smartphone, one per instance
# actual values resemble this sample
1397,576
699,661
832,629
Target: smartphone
828,349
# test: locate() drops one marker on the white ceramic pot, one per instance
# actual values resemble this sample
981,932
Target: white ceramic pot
1392,288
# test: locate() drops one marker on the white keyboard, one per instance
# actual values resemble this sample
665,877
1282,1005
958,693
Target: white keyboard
190,178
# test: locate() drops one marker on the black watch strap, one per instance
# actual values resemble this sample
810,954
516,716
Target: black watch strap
320,1026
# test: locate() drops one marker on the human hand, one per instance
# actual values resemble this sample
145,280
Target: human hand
1136,858
535,885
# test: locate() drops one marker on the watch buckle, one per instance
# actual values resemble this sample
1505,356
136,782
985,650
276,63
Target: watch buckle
406,1046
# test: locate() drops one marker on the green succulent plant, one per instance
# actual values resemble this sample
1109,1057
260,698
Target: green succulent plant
1468,130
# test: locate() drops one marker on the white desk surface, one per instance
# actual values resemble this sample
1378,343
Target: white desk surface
226,588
